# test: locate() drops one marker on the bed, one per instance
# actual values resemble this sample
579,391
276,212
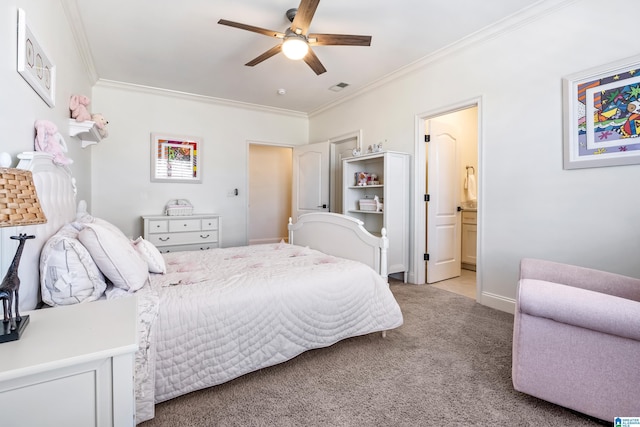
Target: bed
206,317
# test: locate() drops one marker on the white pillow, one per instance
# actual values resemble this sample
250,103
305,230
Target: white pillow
114,254
68,275
151,255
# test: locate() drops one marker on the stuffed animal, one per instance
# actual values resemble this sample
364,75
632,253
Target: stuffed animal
362,179
49,140
101,123
79,107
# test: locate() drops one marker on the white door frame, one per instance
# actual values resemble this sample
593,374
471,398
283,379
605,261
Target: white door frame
419,244
357,134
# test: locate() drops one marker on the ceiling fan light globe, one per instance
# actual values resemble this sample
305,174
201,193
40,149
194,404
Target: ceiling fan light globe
295,48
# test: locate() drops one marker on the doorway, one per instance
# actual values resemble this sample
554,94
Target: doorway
285,181
465,117
269,195
340,148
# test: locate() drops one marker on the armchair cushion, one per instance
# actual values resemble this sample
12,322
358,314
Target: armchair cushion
580,307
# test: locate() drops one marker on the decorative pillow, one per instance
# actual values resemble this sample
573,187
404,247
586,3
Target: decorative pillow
151,255
114,254
68,275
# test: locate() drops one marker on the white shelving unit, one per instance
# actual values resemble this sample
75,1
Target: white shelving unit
86,131
392,169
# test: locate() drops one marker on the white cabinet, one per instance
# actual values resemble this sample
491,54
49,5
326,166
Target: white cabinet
73,366
392,188
469,239
183,233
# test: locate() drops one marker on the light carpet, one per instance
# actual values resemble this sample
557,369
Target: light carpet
448,365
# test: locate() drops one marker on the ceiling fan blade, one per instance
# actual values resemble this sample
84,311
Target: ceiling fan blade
312,61
304,15
258,30
268,54
338,40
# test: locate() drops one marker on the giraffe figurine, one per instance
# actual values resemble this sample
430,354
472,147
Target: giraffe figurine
11,283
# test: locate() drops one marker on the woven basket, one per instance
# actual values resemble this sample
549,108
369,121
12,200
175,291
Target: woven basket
179,207
19,204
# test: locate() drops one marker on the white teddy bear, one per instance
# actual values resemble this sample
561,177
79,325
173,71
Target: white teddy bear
101,123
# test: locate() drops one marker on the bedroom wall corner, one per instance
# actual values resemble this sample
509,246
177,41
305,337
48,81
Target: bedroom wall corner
122,189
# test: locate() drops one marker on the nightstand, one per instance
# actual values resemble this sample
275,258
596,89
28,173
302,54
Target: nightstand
73,366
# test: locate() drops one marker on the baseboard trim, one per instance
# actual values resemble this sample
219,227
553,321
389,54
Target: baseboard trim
498,302
265,241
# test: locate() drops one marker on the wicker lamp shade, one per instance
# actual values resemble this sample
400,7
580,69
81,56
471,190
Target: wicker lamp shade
19,204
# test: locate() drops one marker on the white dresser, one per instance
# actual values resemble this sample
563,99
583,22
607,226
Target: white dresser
73,366
183,233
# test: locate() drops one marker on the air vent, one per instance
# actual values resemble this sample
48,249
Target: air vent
338,87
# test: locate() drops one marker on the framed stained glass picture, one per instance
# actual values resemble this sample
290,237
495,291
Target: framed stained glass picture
176,158
602,116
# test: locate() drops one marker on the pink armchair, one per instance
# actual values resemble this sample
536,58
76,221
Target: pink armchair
576,338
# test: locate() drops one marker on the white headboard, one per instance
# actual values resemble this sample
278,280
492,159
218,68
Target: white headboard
57,194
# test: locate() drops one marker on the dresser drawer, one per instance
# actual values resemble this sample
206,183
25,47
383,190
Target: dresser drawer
210,224
179,225
181,248
158,226
186,238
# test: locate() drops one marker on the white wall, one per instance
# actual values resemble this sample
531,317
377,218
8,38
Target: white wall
529,205
122,190
20,105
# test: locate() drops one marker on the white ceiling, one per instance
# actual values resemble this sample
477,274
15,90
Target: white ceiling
178,45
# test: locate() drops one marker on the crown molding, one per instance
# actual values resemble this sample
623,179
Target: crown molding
77,29
197,98
510,23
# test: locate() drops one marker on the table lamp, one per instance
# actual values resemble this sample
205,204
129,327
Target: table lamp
19,206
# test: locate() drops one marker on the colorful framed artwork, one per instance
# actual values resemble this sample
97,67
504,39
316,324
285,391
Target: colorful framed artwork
602,116
33,64
176,158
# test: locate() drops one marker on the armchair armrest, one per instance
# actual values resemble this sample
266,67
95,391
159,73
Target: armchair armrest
579,307
581,277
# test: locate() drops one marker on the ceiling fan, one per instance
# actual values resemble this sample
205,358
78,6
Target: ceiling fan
296,40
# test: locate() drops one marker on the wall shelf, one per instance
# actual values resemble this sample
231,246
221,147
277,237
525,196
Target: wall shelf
86,131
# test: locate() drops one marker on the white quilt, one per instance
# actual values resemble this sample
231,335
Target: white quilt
225,312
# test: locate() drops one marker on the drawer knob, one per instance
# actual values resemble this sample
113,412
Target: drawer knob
204,237
164,239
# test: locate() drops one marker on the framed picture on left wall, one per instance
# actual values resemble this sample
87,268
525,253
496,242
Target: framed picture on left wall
33,63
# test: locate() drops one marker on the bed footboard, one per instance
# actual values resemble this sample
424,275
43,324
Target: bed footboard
342,236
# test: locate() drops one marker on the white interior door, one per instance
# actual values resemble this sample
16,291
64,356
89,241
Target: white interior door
443,217
310,179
